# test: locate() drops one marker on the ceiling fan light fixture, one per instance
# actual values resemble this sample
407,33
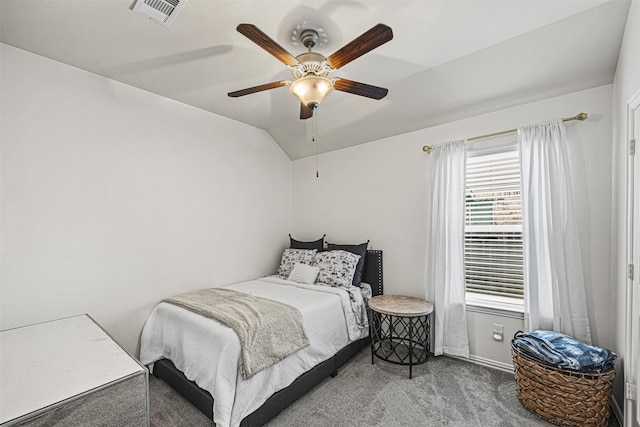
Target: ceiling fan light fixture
310,69
311,90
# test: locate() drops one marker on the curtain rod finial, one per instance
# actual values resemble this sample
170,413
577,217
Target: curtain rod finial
582,116
426,148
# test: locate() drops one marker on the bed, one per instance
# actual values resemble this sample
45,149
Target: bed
199,367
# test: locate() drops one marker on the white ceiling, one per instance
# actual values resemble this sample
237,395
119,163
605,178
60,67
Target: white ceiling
448,59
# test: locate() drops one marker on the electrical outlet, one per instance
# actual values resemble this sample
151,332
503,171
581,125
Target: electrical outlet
498,332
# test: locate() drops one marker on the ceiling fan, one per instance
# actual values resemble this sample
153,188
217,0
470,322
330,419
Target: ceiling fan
310,69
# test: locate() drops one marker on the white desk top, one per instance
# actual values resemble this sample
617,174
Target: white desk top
43,364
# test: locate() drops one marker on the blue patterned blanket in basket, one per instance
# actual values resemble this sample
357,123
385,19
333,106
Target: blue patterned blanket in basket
562,351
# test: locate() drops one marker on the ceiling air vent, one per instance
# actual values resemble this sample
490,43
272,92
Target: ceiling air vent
160,11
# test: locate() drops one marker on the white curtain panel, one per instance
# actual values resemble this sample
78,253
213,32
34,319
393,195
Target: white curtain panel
554,283
445,247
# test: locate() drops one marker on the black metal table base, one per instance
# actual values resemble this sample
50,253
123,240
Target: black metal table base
400,340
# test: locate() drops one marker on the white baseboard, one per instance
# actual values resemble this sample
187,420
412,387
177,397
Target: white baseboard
505,367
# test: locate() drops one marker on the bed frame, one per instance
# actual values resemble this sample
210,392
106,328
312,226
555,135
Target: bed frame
203,400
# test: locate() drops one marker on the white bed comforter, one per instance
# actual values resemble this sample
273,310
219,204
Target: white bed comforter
208,352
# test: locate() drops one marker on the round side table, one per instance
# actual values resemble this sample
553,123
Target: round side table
400,329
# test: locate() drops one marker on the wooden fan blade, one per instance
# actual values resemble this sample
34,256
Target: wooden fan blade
255,89
254,34
376,36
305,112
361,89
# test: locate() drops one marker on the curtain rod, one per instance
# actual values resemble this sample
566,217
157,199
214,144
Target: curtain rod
581,116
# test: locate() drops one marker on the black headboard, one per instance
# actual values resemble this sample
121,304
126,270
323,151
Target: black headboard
372,273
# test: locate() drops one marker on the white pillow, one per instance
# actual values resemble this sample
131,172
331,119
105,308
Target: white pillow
303,273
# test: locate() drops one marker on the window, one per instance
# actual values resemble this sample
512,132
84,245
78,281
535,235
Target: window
493,229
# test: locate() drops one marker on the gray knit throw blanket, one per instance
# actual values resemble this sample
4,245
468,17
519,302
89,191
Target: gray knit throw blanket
268,330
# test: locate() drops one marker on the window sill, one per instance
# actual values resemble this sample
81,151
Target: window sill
500,306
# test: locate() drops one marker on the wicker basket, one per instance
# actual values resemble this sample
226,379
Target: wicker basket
560,396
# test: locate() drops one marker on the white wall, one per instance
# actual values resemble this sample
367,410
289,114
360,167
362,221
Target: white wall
113,198
377,191
482,347
626,84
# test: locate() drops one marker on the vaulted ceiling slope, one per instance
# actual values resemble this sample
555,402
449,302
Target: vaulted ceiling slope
448,59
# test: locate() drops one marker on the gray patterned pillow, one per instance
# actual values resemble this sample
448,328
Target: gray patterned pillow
336,267
291,256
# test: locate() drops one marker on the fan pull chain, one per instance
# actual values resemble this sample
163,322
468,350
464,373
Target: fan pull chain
314,138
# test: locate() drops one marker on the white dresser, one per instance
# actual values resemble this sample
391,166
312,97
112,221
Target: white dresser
69,372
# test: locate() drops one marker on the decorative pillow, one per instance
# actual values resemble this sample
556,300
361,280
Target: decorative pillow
360,250
303,273
316,244
291,256
336,267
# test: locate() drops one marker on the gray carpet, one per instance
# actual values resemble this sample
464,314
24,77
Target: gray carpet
443,392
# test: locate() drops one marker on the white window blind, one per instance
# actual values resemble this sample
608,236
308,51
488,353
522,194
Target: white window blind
493,226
